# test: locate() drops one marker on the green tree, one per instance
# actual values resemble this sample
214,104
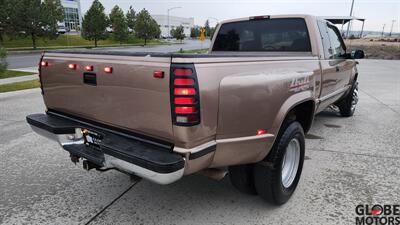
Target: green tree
207,28
3,62
119,24
4,8
178,33
35,18
131,17
52,13
146,27
195,32
95,23
212,31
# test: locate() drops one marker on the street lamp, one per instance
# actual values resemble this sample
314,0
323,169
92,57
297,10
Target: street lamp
383,29
391,28
169,32
351,14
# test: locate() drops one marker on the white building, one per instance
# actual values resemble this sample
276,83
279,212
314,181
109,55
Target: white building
174,22
73,14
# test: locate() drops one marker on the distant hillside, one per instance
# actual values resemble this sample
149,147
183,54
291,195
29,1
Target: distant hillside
372,33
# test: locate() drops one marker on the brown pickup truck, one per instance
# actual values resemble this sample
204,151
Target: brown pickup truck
243,107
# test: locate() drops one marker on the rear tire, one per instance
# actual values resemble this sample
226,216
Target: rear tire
241,177
347,106
277,176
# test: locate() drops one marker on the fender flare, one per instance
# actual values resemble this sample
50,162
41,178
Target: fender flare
288,105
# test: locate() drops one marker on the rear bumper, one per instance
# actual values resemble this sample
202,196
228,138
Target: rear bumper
112,150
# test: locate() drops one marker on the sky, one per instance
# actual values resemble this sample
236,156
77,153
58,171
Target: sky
377,12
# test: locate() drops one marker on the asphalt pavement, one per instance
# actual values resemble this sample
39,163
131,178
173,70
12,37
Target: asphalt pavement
349,161
24,60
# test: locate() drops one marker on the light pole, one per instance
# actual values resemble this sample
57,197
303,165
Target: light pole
383,29
351,14
391,28
169,32
213,19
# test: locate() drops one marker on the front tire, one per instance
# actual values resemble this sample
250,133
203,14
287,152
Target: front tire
277,176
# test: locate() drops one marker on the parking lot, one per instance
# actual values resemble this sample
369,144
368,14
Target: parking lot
349,161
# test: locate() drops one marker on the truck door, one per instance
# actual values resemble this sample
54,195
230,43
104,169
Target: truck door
336,70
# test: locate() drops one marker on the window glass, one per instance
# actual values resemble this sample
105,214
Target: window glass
338,49
322,25
273,35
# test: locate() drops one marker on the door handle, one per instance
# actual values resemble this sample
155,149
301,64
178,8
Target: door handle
337,69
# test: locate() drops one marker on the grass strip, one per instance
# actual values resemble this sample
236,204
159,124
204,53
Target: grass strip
14,73
19,86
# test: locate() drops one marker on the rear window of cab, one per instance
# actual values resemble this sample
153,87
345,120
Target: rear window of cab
266,35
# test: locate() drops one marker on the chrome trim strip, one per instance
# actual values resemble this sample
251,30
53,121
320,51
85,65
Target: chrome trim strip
248,138
195,149
333,94
220,141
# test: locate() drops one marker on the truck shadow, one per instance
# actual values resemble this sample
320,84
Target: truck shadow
192,196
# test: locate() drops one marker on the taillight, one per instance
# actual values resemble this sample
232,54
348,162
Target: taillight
180,82
184,101
183,71
185,109
184,91
185,97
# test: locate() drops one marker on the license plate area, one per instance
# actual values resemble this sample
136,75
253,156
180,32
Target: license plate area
90,79
92,138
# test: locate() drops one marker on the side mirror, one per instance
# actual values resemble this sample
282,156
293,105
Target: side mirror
357,54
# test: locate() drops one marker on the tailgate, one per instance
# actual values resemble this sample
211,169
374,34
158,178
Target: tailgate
130,97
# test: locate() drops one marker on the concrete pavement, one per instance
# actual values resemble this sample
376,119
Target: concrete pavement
349,161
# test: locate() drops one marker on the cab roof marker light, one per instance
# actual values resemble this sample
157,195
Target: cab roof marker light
266,17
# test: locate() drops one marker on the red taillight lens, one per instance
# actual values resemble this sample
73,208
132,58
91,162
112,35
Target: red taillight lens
89,68
72,66
185,101
44,63
185,110
183,72
184,91
108,69
188,82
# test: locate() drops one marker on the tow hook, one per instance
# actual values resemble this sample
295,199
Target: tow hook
88,165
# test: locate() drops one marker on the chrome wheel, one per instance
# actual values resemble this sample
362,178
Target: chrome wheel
290,162
354,100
